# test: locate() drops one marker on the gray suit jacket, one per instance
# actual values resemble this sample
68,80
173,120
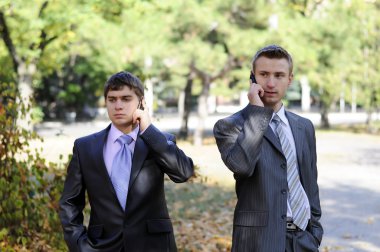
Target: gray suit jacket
251,150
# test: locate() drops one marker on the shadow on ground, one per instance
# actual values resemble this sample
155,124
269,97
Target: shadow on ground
351,218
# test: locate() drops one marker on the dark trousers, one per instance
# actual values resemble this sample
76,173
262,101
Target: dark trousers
300,241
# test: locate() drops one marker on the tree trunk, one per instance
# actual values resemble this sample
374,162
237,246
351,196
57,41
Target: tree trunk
184,130
325,124
25,74
202,112
370,110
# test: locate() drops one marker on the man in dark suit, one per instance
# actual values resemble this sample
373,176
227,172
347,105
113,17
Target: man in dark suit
124,181
272,153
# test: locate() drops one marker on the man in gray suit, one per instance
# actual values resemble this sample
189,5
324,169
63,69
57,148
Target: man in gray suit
272,153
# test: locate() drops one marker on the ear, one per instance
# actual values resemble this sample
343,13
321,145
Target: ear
291,76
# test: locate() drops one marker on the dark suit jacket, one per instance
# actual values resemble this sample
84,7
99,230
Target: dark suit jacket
145,224
250,149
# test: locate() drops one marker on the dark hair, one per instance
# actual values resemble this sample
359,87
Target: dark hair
121,79
273,52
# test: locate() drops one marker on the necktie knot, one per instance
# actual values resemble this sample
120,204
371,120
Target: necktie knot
276,119
124,139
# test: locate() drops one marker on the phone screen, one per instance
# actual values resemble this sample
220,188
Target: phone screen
252,77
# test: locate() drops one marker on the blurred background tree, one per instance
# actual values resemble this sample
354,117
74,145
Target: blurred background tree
187,51
193,57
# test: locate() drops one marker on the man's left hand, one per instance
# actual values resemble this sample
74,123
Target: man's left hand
141,116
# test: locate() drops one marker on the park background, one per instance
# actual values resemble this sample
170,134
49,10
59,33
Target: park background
194,59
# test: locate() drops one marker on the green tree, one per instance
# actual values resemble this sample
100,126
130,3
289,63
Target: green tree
28,30
87,60
210,41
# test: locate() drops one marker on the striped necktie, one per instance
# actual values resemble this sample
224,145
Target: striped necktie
121,169
294,185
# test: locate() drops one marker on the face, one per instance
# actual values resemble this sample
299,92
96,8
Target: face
274,77
121,104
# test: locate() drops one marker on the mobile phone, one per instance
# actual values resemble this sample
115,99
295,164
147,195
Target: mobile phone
140,106
252,77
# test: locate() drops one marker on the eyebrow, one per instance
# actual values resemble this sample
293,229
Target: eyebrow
123,96
264,71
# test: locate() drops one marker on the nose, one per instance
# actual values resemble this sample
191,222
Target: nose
118,104
270,82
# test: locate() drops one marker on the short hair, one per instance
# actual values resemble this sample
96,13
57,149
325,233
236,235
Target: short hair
121,79
273,52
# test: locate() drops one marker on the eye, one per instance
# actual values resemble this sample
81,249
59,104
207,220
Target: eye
126,99
111,99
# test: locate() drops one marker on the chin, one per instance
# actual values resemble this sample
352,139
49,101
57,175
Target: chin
122,122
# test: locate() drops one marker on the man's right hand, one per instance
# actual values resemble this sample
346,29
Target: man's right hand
254,94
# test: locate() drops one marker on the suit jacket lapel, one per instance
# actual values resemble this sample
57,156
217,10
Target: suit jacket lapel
298,133
97,149
273,139
268,134
139,156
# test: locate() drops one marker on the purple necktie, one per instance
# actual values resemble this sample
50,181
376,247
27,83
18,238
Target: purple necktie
121,169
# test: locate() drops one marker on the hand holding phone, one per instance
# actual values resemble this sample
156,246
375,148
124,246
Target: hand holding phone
141,106
252,77
141,115
255,92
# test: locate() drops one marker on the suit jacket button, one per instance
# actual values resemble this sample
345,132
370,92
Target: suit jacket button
283,216
283,191
283,166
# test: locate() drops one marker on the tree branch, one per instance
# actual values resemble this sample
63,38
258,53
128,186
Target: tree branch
4,32
43,7
43,36
44,41
231,63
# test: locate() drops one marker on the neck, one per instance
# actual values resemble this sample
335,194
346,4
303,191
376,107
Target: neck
125,129
277,107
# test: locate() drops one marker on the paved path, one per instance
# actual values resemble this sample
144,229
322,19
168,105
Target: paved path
349,178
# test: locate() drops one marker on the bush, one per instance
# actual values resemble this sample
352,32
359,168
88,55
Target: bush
29,188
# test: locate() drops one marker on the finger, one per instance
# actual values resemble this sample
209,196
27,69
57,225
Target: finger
135,117
261,91
144,103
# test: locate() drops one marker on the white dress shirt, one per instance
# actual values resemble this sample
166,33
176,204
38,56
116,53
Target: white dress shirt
288,132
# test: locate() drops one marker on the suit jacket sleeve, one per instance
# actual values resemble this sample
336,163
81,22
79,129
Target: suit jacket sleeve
72,203
239,138
170,158
315,225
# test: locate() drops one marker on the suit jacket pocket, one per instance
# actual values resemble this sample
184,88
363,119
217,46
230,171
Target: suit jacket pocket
251,218
95,231
159,226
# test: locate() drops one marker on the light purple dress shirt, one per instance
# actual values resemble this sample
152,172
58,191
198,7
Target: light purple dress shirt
112,146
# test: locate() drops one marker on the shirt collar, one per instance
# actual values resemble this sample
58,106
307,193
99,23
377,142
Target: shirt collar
281,114
115,133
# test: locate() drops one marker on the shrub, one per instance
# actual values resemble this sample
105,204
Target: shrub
29,188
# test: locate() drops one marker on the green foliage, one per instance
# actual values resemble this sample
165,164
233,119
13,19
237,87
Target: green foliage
89,40
29,188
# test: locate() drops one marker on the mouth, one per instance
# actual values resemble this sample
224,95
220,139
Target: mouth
270,92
